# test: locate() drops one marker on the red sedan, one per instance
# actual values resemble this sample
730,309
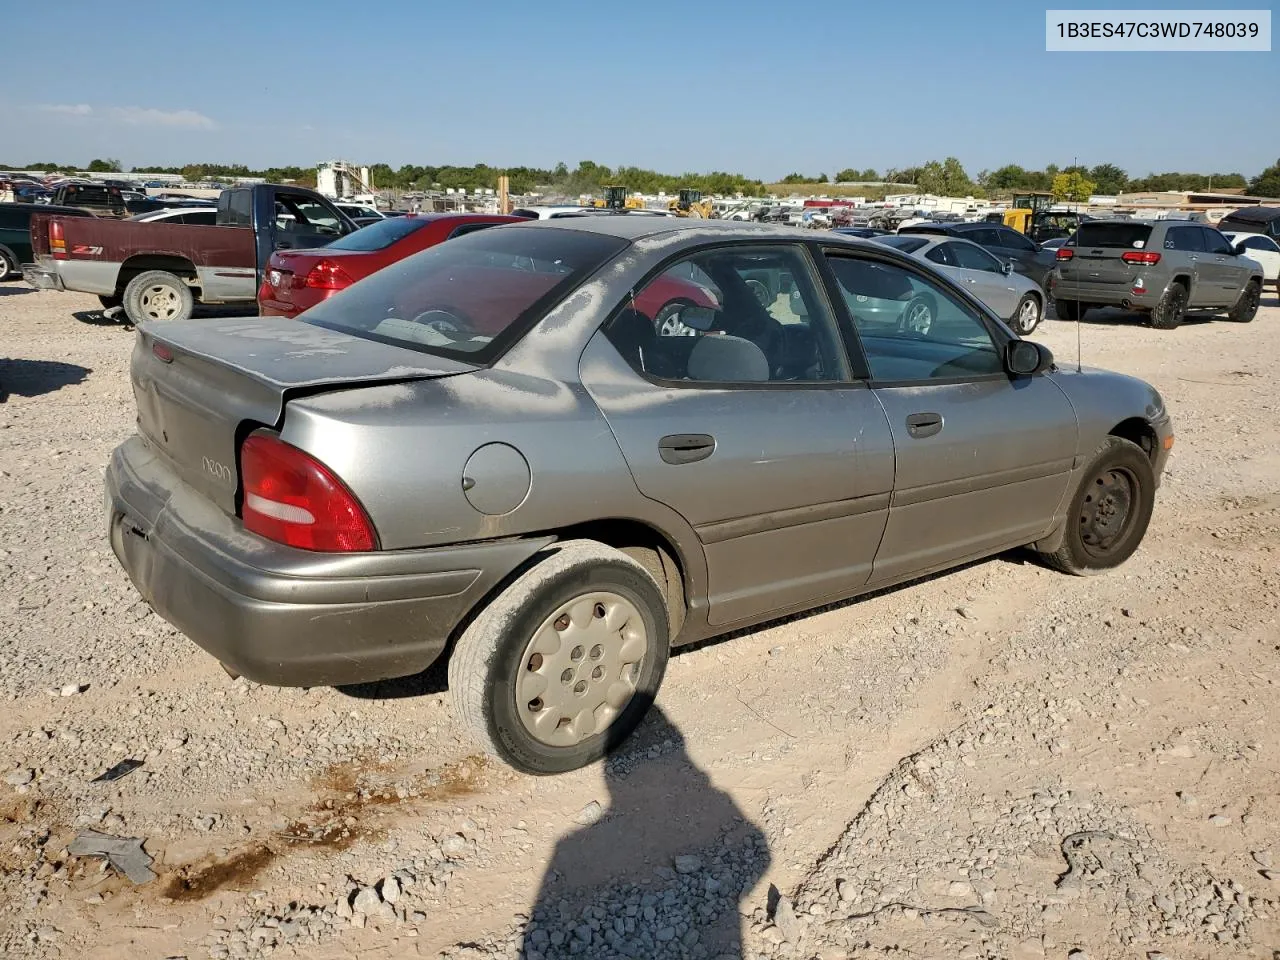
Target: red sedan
297,279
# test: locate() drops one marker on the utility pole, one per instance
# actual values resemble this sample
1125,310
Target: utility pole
504,194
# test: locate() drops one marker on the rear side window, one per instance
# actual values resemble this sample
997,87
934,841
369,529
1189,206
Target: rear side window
1013,240
1260,243
1129,236
380,235
469,298
1184,238
986,236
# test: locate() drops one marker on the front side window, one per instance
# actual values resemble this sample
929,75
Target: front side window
1013,240
1260,243
920,332
732,315
1215,242
973,257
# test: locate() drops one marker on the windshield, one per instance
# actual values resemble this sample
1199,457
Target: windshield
380,235
469,298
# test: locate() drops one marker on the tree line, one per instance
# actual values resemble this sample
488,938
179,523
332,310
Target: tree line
945,177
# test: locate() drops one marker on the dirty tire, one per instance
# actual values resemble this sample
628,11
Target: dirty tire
109,303
1246,307
1123,463
1027,315
485,665
1071,310
1168,312
157,295
8,263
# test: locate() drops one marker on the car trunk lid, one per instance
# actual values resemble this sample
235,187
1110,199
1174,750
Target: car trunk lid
1098,249
202,386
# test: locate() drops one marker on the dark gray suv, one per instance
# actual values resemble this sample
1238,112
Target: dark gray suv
1160,267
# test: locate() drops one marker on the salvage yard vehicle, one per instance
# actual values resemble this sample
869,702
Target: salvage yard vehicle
1261,248
1162,268
557,496
1018,299
102,200
297,279
1004,242
1264,220
159,271
15,233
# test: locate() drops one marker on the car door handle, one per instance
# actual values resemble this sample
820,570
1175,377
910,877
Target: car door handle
1193,259
680,448
921,425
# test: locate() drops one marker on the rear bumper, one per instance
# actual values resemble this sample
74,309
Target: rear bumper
284,616
277,308
42,276
1104,294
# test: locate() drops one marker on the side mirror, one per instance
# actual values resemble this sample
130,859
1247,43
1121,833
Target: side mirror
1026,358
1006,267
1239,250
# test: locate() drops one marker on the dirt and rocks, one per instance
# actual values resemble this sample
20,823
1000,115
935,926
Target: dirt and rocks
1001,762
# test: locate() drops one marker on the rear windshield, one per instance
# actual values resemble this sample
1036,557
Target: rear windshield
380,235
1126,235
469,298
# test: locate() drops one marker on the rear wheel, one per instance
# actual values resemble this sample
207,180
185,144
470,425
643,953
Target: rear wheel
1168,312
8,264
1246,307
667,322
561,666
1071,310
919,315
157,295
1027,315
1110,511
110,303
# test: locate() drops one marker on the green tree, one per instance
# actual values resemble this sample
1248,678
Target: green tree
1267,183
1072,186
1109,178
104,166
822,178
796,178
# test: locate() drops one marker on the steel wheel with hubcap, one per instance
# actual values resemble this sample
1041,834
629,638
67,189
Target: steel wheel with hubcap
560,667
580,668
1109,512
667,323
157,295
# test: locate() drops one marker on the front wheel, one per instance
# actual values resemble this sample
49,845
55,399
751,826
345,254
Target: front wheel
667,322
8,264
1071,310
919,315
157,295
562,665
1110,511
110,303
1027,315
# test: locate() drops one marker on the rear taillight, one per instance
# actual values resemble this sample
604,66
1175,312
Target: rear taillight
1140,256
292,498
1065,253
57,242
327,275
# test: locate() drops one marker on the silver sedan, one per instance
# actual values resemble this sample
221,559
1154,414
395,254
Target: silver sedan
1016,298
488,452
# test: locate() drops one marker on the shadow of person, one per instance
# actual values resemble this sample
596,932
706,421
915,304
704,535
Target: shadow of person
660,874
32,378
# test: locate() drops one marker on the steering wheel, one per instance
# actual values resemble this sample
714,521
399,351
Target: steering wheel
447,324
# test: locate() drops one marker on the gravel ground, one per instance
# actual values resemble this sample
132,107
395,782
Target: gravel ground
1001,762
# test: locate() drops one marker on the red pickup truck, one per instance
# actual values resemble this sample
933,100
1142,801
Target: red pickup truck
159,271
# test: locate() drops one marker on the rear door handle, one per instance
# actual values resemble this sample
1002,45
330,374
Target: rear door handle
1193,259
680,448
921,425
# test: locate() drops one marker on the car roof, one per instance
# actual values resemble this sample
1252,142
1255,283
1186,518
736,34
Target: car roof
635,228
1254,214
